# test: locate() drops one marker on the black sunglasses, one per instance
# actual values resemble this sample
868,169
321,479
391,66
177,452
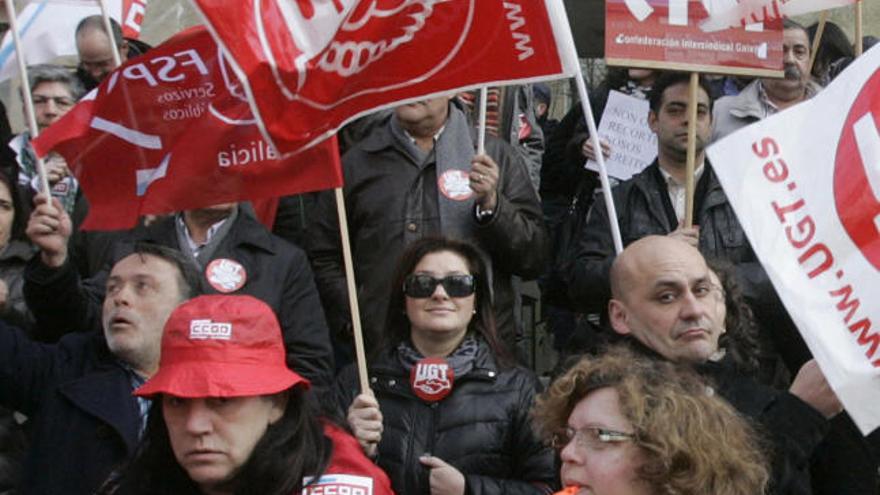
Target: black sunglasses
422,286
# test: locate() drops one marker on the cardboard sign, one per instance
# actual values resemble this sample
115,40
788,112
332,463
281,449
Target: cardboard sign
666,34
625,126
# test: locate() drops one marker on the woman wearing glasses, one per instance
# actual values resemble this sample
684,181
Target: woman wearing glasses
631,425
450,413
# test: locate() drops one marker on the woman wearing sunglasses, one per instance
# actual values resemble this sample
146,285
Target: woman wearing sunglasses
630,425
449,414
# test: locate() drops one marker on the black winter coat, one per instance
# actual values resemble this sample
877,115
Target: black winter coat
278,273
482,428
84,419
642,205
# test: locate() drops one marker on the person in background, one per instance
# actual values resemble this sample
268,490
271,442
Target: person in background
449,412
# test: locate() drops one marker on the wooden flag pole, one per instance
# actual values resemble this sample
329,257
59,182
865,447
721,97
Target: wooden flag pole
859,23
481,128
26,96
117,58
360,354
600,160
691,149
823,19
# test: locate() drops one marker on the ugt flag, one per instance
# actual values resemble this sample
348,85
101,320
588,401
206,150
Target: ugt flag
742,12
309,66
805,184
47,28
170,131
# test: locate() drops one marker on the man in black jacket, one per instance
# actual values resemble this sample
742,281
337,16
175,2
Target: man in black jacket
78,392
235,253
417,175
666,300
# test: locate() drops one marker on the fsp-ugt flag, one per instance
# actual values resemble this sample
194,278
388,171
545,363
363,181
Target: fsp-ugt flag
309,66
170,131
805,184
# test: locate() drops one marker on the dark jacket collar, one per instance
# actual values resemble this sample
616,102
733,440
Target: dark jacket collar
246,230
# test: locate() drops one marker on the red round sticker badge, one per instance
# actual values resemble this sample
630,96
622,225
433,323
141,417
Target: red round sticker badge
455,184
226,275
857,172
431,379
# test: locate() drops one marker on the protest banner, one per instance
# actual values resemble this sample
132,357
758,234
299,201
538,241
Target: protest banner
47,29
805,185
667,35
170,131
330,62
633,144
744,12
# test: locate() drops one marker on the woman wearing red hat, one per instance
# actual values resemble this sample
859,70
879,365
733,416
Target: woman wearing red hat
228,416
450,413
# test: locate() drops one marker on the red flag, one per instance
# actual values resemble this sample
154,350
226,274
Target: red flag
170,131
309,66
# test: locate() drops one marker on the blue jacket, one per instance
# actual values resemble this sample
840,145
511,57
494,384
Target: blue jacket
78,398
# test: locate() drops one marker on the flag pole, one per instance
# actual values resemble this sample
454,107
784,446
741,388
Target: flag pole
600,159
26,96
859,24
360,354
117,58
691,150
481,144
820,29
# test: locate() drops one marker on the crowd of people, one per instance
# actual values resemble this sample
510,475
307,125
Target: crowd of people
205,352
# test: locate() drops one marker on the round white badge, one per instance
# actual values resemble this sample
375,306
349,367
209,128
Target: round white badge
456,185
226,275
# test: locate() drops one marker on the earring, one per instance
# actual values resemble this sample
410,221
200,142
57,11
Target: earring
474,311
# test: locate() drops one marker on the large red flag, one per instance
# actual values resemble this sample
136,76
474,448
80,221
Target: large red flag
309,66
171,130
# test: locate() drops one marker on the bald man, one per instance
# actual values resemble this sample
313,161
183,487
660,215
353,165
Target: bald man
665,298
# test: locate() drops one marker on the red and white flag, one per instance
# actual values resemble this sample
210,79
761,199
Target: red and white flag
805,184
743,12
309,66
171,130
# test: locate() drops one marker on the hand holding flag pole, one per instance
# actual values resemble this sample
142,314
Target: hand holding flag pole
28,100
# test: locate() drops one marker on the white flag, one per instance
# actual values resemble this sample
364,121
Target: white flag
47,29
805,184
754,11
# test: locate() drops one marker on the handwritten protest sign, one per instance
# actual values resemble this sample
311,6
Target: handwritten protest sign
624,126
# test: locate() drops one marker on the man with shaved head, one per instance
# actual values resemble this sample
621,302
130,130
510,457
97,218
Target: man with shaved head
666,299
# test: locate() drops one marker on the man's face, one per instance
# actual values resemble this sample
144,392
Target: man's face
670,122
96,53
51,101
796,56
424,114
142,290
670,303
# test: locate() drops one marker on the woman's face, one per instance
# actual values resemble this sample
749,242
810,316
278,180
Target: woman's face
212,438
597,460
7,214
440,316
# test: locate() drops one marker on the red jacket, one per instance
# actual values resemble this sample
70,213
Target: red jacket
350,471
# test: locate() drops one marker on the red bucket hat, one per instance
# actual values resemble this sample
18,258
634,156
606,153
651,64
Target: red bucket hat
221,346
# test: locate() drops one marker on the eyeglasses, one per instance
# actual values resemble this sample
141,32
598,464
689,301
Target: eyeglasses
60,101
422,286
590,437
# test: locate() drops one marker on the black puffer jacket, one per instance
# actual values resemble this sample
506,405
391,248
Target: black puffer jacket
482,428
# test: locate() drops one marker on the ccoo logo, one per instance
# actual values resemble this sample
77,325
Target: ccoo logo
857,172
343,37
